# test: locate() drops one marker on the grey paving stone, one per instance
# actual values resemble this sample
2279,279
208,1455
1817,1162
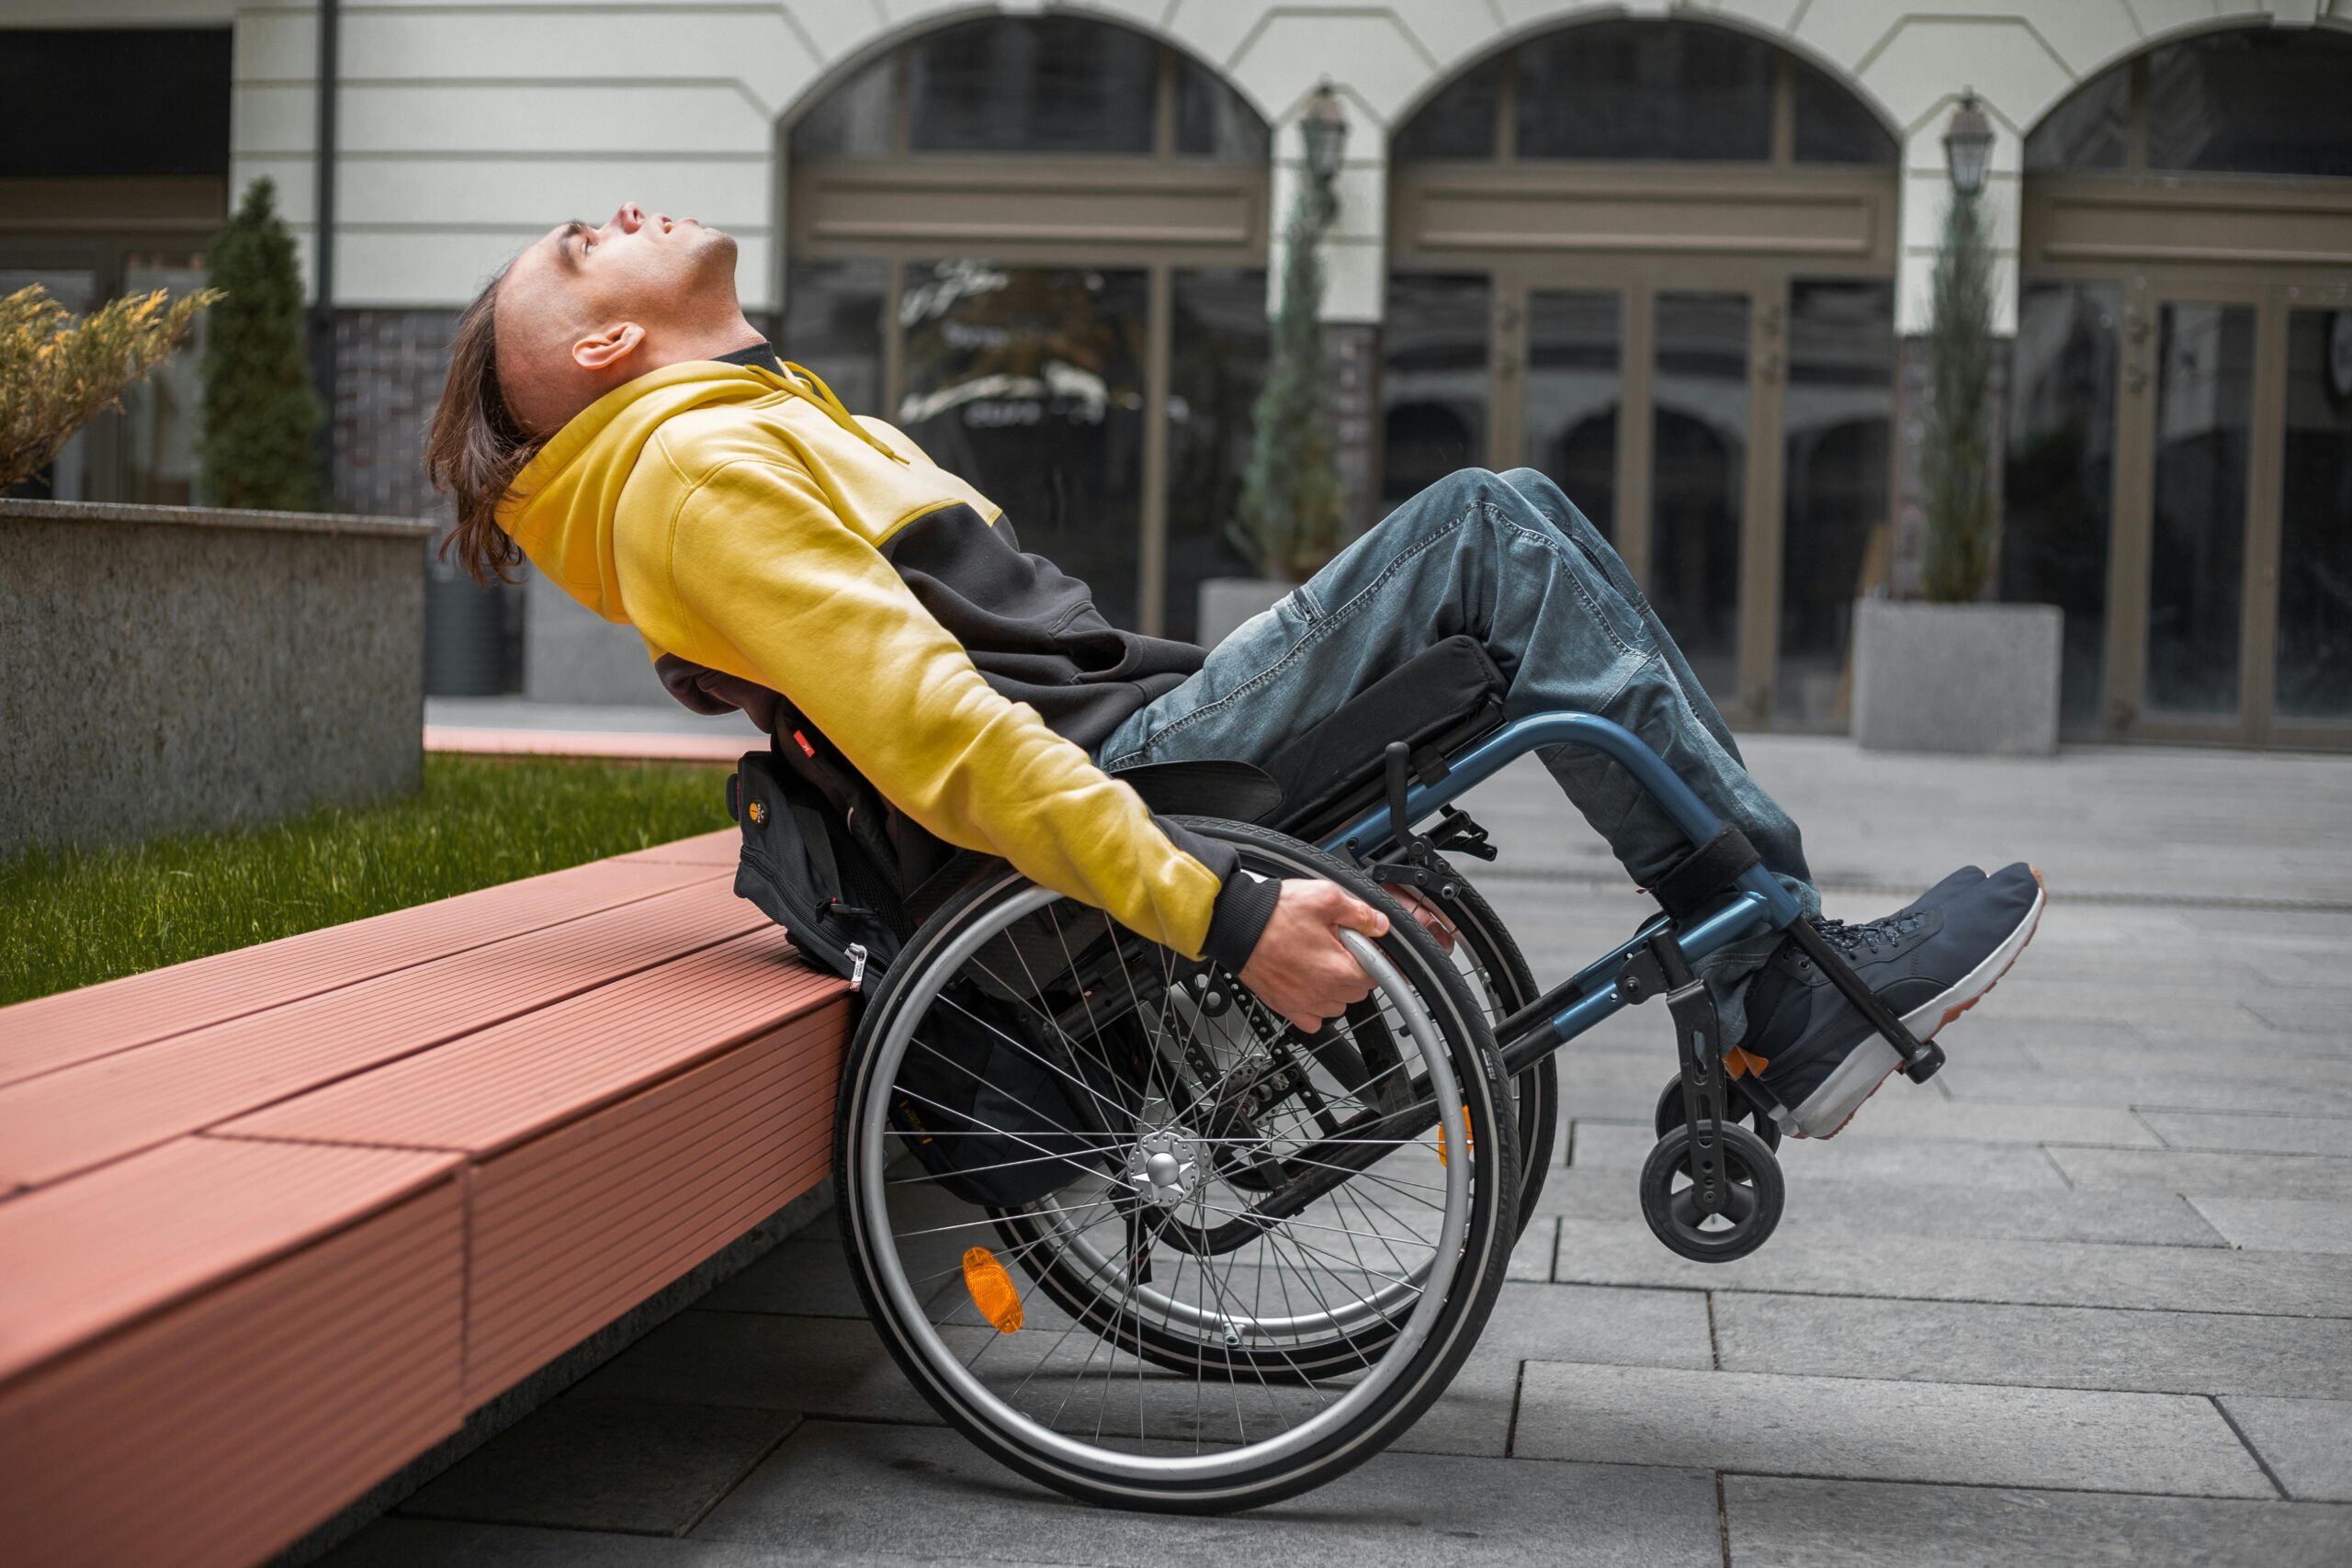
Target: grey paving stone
2209,1175
647,1466
808,1277
813,1365
2280,1225
1531,1258
834,1492
1779,1522
2187,1089
2091,1348
1843,1260
2303,1440
1929,1207
2270,1135
1616,1145
436,1543
1557,1322
1874,1429
1900,1109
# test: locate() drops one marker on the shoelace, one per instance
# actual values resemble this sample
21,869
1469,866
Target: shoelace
1869,935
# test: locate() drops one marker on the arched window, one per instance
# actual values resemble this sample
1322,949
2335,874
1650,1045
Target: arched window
1037,245
1646,91
1654,259
2250,101
1044,85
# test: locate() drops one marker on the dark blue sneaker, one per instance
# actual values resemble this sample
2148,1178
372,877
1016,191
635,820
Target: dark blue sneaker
1812,1053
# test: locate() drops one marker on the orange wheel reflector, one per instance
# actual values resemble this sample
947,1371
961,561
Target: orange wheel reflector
992,1289
1471,1141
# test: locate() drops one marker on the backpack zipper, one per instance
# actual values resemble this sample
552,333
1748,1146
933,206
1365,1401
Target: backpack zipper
856,966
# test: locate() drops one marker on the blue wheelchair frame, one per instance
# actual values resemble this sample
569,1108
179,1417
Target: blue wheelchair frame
1755,903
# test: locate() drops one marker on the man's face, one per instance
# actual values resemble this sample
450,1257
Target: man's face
587,308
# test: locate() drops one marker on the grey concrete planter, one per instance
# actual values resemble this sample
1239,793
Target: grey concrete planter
1973,678
170,667
1227,602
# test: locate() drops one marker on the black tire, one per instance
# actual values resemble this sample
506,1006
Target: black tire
1396,1373
1509,985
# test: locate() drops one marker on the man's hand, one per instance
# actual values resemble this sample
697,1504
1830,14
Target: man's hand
1299,967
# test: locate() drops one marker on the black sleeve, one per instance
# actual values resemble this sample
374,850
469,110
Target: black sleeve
1244,903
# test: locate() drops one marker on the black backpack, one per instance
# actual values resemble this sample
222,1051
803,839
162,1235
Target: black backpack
850,877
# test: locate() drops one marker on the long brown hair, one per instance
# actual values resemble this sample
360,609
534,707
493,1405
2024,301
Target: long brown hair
477,445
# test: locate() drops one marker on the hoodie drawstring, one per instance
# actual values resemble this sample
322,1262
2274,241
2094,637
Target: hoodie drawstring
842,416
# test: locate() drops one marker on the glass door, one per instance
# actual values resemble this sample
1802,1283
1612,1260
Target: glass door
2235,484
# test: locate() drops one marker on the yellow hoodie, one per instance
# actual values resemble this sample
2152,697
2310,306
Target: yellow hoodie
738,518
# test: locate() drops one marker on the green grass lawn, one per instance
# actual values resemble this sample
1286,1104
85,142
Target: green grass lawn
78,916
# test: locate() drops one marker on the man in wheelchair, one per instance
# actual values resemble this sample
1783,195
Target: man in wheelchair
612,415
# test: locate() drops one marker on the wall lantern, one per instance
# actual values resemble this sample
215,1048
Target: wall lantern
1324,127
1968,146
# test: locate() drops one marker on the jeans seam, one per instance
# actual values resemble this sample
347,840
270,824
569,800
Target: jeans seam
1592,606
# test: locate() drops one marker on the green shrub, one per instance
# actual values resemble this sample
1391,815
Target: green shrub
57,374
261,415
1955,448
1292,501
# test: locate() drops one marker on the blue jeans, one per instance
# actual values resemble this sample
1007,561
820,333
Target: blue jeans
1509,559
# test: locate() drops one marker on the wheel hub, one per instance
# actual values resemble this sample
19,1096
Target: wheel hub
1164,1167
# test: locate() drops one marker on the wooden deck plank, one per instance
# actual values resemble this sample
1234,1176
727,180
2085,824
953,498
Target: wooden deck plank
520,1078
221,1430
70,1120
86,1258
572,1229
49,1033
721,848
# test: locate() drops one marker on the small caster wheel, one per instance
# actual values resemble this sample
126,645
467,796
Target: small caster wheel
1737,1107
1753,1197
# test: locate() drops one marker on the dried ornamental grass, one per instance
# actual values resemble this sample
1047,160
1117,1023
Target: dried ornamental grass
57,374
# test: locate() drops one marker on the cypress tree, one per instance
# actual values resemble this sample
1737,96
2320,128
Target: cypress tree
1291,498
1955,448
261,415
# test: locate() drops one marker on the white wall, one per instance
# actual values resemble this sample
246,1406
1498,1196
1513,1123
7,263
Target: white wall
469,128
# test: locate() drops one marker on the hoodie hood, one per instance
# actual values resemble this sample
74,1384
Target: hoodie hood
559,509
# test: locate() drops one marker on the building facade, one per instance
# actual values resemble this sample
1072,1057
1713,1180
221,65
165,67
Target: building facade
1676,254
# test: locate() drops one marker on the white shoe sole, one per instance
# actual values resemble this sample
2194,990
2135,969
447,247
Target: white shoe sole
1825,1113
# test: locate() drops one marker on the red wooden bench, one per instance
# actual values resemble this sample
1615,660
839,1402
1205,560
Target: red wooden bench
272,1222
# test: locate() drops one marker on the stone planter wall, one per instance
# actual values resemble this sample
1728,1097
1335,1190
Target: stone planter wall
1227,602
167,668
1970,678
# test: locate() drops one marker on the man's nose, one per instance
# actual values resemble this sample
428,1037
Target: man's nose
629,218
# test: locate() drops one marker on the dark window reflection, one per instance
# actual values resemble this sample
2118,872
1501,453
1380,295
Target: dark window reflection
2315,495
1433,381
1216,364
1836,414
1575,380
832,325
1645,90
2253,102
1699,478
1028,382
2059,486
2203,403
1213,120
1832,126
1031,84
853,119
1459,122
110,101
2092,129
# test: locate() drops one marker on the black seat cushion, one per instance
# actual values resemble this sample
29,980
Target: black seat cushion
1435,702
1209,787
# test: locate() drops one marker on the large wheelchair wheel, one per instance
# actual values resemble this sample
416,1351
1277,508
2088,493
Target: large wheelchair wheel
1140,1240
1499,977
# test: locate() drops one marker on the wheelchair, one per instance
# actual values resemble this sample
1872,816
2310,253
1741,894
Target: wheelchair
1142,1240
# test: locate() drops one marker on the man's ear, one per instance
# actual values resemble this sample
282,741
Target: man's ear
602,351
